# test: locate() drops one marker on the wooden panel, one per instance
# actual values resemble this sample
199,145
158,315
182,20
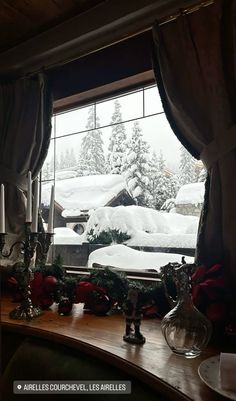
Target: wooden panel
153,363
20,20
108,23
105,71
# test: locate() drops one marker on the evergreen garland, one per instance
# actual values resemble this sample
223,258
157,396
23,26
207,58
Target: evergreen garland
116,284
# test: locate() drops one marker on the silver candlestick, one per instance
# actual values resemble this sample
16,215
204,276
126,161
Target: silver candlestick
26,310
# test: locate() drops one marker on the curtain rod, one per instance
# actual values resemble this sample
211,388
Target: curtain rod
165,20
185,11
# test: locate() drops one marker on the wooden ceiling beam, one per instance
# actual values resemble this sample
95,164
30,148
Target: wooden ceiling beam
108,23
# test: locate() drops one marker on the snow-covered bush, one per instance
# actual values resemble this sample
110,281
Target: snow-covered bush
140,226
107,237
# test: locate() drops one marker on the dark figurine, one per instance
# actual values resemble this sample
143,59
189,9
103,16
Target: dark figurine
132,310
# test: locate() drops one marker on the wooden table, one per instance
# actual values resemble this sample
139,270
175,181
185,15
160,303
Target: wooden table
153,363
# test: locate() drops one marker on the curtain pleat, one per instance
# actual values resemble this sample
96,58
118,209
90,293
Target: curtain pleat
194,60
25,130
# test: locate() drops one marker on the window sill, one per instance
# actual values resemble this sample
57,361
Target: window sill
101,337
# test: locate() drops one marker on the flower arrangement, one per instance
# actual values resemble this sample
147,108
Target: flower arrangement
103,290
212,297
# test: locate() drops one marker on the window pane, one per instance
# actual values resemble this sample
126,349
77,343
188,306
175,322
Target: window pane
122,151
152,101
120,109
48,167
74,121
53,127
67,156
159,135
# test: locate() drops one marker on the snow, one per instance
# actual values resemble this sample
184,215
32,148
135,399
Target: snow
65,175
127,219
123,257
191,194
145,226
65,235
163,240
84,193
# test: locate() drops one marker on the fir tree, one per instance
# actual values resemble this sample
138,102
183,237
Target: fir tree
138,166
161,185
67,159
62,161
72,158
202,175
117,142
187,173
46,173
92,160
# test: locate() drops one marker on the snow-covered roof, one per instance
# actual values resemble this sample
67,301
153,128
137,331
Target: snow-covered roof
84,193
65,235
190,194
133,219
123,257
145,226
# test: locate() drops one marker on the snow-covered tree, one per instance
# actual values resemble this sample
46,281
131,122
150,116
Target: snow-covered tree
46,171
91,158
162,186
72,158
202,175
117,142
62,163
138,166
187,172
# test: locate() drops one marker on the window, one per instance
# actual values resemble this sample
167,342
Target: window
122,177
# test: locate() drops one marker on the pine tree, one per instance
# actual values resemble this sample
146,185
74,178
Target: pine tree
67,159
187,173
62,161
92,159
202,175
117,141
46,174
161,185
138,166
72,158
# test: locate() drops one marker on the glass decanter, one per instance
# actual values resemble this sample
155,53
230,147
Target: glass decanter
186,330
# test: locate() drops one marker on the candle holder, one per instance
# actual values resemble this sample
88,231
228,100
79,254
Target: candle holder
26,310
44,245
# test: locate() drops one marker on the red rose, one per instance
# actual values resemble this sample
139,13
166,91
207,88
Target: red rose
36,286
208,284
84,288
45,300
49,283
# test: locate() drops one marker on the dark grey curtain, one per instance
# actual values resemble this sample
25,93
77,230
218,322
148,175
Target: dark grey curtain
194,59
25,129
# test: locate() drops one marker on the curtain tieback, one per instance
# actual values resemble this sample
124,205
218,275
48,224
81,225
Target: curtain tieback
215,150
13,177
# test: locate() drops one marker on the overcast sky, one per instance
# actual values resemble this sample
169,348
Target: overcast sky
156,129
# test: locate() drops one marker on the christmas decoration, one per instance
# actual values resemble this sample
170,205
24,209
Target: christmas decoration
97,302
107,237
215,299
132,310
105,290
209,292
65,306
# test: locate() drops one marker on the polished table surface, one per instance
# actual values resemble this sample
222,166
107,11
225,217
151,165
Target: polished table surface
153,362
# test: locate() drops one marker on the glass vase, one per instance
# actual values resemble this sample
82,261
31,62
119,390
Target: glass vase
186,330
